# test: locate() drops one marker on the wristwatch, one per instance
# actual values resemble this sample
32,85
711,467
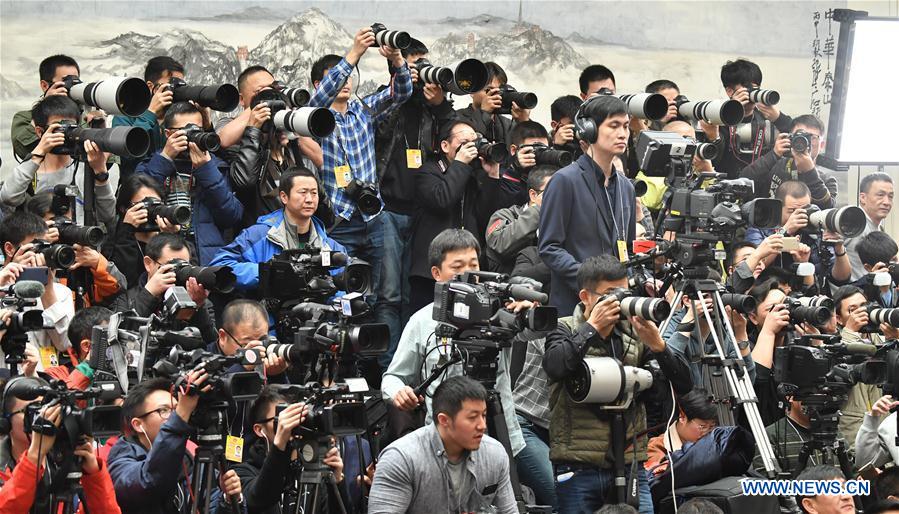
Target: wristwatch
101,177
742,345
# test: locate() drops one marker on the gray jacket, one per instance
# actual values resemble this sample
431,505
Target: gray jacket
510,231
876,443
413,477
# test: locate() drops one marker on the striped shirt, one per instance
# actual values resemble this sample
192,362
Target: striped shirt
352,143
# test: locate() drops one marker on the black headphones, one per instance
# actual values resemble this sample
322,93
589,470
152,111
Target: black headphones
584,125
5,421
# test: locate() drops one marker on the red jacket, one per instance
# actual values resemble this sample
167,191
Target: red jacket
20,485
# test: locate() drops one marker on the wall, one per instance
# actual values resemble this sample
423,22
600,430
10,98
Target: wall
542,45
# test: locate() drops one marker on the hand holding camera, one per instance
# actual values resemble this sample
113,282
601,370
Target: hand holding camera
136,215
198,157
604,315
85,257
85,450
175,144
161,281
161,100
57,89
393,55
782,145
883,406
365,38
188,396
493,101
564,134
467,152
260,114
857,319
96,159
291,417
797,221
50,139
41,443
526,157
196,291
406,399
433,94
776,320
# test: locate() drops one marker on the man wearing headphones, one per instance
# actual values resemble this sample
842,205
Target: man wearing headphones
26,474
589,207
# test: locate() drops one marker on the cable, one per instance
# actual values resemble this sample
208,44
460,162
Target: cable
670,444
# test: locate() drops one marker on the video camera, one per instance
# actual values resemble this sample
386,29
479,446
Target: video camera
305,275
316,328
125,141
473,303
832,368
21,297
337,410
232,387
98,421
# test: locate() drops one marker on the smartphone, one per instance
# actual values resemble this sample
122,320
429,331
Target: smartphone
868,472
38,274
790,244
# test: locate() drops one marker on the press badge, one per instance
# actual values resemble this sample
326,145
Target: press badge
234,448
622,251
413,158
49,357
342,175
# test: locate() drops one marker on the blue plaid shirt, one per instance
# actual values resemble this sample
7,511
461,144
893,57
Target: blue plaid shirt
353,141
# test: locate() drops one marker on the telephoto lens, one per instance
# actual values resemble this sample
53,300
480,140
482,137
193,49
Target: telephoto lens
717,112
296,97
290,352
174,214
742,303
813,314
522,99
222,97
647,106
546,155
707,151
57,256
213,278
306,121
118,95
430,74
849,221
205,141
391,38
273,99
125,141
764,96
888,316
72,234
653,309
489,150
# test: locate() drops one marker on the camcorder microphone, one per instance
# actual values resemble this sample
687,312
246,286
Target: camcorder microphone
29,289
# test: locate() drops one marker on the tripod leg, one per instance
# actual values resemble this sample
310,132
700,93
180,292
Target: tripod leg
802,459
618,435
232,500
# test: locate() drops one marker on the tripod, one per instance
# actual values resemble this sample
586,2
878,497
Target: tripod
825,438
725,378
62,496
209,458
308,473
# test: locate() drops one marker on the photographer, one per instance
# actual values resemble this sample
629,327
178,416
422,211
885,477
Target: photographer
18,231
877,251
44,169
146,295
776,167
158,74
580,442
513,229
99,279
451,464
26,472
796,198
244,326
264,473
451,252
570,228
289,228
125,245
150,465
562,112
481,113
787,436
697,417
51,72
770,321
875,442
593,78
349,151
738,78
76,371
406,139
260,153
512,188
745,261
875,197
449,192
195,178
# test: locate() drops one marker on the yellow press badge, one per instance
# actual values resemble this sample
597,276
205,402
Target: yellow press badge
413,158
234,448
342,175
622,251
49,357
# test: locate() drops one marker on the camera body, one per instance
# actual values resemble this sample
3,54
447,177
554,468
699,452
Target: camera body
509,94
492,151
174,214
801,141
365,196
58,256
205,141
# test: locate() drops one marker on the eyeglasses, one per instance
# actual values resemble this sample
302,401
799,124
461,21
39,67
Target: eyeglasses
164,412
702,427
236,341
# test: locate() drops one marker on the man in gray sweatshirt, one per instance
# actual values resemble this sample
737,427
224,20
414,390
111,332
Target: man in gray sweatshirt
45,169
451,465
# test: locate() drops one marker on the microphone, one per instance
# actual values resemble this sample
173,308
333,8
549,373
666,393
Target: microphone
526,293
26,389
856,348
30,289
185,341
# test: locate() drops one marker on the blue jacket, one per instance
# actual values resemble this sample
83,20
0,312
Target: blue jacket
260,243
154,482
214,208
576,222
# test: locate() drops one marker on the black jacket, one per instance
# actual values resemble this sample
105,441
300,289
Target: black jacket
770,171
729,159
126,252
414,125
529,264
140,300
495,127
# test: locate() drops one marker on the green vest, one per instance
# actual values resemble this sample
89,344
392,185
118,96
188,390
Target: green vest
576,433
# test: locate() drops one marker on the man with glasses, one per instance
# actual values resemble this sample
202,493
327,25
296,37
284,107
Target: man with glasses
784,162
245,326
150,465
146,297
195,178
513,229
289,228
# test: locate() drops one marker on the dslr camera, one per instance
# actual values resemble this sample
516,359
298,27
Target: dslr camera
365,195
492,151
223,97
174,214
125,141
71,233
